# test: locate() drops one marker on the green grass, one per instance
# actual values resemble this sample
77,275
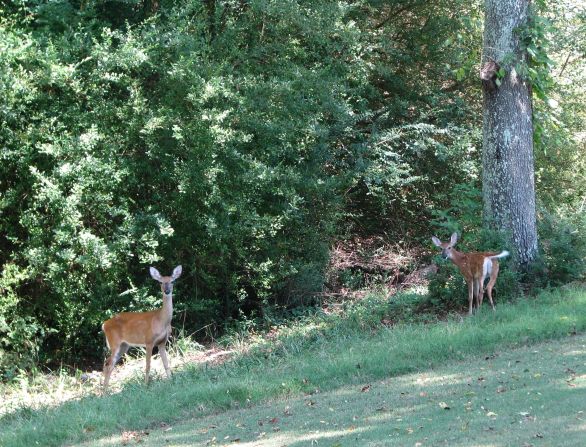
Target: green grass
530,396
320,356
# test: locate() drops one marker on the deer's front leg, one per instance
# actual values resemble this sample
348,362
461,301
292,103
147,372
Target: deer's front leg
149,353
163,354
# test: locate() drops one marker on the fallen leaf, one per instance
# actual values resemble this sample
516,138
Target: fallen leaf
274,420
136,436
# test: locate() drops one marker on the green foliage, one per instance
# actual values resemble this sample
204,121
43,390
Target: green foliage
164,142
534,37
20,336
560,118
463,214
238,139
563,242
447,289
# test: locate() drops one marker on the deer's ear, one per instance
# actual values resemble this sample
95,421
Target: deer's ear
177,272
436,241
453,239
155,274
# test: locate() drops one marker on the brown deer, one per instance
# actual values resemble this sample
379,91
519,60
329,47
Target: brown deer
148,329
475,267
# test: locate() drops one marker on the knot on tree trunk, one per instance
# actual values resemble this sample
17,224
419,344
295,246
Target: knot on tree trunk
488,75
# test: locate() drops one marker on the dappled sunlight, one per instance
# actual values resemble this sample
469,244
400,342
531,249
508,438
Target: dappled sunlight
580,428
453,379
275,439
493,401
575,352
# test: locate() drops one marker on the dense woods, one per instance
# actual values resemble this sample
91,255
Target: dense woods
242,139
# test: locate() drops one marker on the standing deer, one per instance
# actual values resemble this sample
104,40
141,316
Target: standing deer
148,329
475,267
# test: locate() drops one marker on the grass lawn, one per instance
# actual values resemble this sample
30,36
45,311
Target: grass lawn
530,396
320,368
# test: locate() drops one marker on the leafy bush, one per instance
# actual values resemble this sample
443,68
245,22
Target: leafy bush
20,336
563,243
196,138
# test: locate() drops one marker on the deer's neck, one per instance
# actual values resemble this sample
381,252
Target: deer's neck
167,310
458,258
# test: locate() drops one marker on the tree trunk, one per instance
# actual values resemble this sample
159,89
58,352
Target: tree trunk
508,184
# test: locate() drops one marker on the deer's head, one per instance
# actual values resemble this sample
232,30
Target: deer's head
446,246
166,281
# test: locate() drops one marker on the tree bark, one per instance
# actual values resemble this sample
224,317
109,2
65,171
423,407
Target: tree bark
508,184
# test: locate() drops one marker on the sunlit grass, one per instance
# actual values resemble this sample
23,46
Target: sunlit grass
321,354
531,395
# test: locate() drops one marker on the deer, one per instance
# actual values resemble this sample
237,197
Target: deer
475,267
146,329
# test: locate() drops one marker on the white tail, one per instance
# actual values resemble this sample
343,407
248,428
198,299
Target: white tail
475,267
148,329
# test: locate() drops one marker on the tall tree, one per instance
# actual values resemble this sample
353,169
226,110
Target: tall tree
508,167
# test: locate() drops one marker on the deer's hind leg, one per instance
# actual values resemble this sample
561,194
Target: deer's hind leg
470,296
493,275
477,290
111,361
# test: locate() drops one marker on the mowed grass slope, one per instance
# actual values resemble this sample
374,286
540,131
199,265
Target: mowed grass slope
321,357
530,396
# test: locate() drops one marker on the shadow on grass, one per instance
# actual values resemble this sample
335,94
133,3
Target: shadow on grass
333,361
528,396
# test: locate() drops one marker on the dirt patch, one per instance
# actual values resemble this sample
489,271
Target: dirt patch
362,264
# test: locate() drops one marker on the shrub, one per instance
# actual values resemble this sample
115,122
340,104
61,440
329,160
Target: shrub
563,245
